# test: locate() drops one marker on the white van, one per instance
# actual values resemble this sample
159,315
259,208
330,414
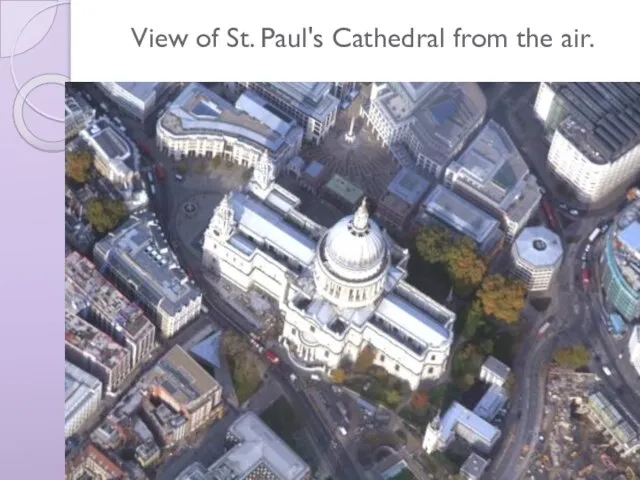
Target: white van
342,431
315,377
606,370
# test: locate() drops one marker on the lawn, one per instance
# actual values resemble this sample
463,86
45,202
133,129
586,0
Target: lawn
246,381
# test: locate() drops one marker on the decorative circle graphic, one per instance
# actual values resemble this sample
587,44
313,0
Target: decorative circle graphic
18,112
31,22
14,13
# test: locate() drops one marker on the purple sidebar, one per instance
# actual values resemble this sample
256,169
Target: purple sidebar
34,64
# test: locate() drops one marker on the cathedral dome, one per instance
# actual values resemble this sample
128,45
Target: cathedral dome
355,249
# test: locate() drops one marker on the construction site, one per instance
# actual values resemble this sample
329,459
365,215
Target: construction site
571,447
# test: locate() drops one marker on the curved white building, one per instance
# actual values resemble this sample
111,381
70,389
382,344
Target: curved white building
199,123
340,289
536,255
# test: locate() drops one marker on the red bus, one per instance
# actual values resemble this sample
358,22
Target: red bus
159,170
548,212
272,357
585,277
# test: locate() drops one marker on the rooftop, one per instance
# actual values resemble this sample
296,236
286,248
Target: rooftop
474,465
491,402
538,246
459,416
408,186
200,111
492,166
79,388
92,342
266,226
603,118
311,98
459,214
105,139
258,447
86,287
496,367
611,417
260,109
344,189
139,251
181,377
141,90
442,116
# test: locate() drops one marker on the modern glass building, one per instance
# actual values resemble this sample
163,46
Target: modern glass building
621,263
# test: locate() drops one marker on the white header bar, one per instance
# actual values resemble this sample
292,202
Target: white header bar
337,40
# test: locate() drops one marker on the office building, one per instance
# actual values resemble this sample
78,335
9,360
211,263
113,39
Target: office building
90,294
621,263
138,258
139,99
92,464
492,174
621,432
339,289
77,115
256,452
179,397
461,217
494,371
399,203
95,352
460,421
200,122
82,395
432,120
310,104
595,131
536,256
115,157
474,467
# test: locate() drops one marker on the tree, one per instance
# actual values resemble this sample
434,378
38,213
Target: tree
472,320
338,375
432,244
392,397
365,359
502,298
419,400
465,267
182,168
573,357
77,165
105,214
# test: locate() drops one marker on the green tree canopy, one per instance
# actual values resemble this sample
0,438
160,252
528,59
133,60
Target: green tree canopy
465,267
472,319
502,298
77,165
105,214
572,357
432,244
